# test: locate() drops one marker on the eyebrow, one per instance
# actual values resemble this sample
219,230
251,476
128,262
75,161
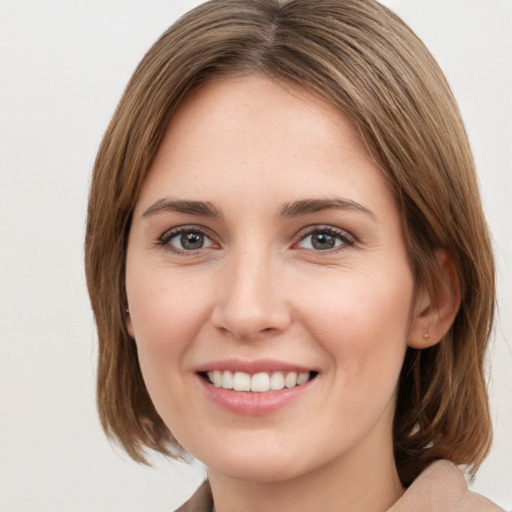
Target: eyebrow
203,208
293,209
308,206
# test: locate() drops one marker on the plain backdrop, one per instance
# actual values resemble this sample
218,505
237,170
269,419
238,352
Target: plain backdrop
63,66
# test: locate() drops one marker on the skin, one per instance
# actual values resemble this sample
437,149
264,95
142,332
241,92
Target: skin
258,288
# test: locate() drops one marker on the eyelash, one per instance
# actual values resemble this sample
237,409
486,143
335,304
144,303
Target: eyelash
166,237
340,235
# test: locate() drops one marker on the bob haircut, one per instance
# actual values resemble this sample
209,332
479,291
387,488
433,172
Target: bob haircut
360,57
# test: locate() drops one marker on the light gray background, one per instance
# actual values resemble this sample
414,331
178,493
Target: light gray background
63,66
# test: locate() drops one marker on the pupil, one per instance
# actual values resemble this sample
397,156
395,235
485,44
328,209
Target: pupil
323,241
192,241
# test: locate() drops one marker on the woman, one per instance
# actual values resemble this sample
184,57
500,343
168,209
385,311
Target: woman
289,265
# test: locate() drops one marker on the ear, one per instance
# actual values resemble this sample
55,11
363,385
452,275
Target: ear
128,323
436,306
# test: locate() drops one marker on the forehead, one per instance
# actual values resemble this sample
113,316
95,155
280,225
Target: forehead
256,134
271,112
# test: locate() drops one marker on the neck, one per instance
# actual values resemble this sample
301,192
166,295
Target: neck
348,483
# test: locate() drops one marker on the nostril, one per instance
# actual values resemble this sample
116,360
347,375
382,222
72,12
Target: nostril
250,319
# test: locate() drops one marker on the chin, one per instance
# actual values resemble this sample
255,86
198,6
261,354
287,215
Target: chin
251,457
263,468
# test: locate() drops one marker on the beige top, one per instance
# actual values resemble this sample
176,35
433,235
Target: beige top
440,488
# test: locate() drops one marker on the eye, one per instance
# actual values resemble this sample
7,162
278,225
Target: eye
325,239
186,240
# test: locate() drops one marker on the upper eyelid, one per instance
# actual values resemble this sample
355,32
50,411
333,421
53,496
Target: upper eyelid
171,232
308,230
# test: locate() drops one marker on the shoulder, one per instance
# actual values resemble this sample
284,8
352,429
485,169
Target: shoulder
442,488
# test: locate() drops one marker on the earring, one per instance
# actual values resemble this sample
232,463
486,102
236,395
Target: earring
426,335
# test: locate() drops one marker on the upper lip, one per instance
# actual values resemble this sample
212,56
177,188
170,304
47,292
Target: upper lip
252,366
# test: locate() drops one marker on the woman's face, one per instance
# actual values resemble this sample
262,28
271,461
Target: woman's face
266,250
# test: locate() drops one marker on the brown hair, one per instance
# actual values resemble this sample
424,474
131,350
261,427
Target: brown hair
362,58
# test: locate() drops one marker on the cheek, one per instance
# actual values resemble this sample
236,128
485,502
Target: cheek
363,322
166,313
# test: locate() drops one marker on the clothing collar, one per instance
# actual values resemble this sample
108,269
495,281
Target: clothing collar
439,488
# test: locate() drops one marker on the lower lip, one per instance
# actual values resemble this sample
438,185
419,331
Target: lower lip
251,403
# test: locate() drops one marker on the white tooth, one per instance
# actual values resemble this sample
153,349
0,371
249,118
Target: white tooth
210,376
302,378
242,381
217,378
277,381
227,380
260,382
290,381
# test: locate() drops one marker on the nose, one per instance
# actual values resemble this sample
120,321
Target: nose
251,301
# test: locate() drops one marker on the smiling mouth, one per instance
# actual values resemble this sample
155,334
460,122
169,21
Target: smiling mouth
261,382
